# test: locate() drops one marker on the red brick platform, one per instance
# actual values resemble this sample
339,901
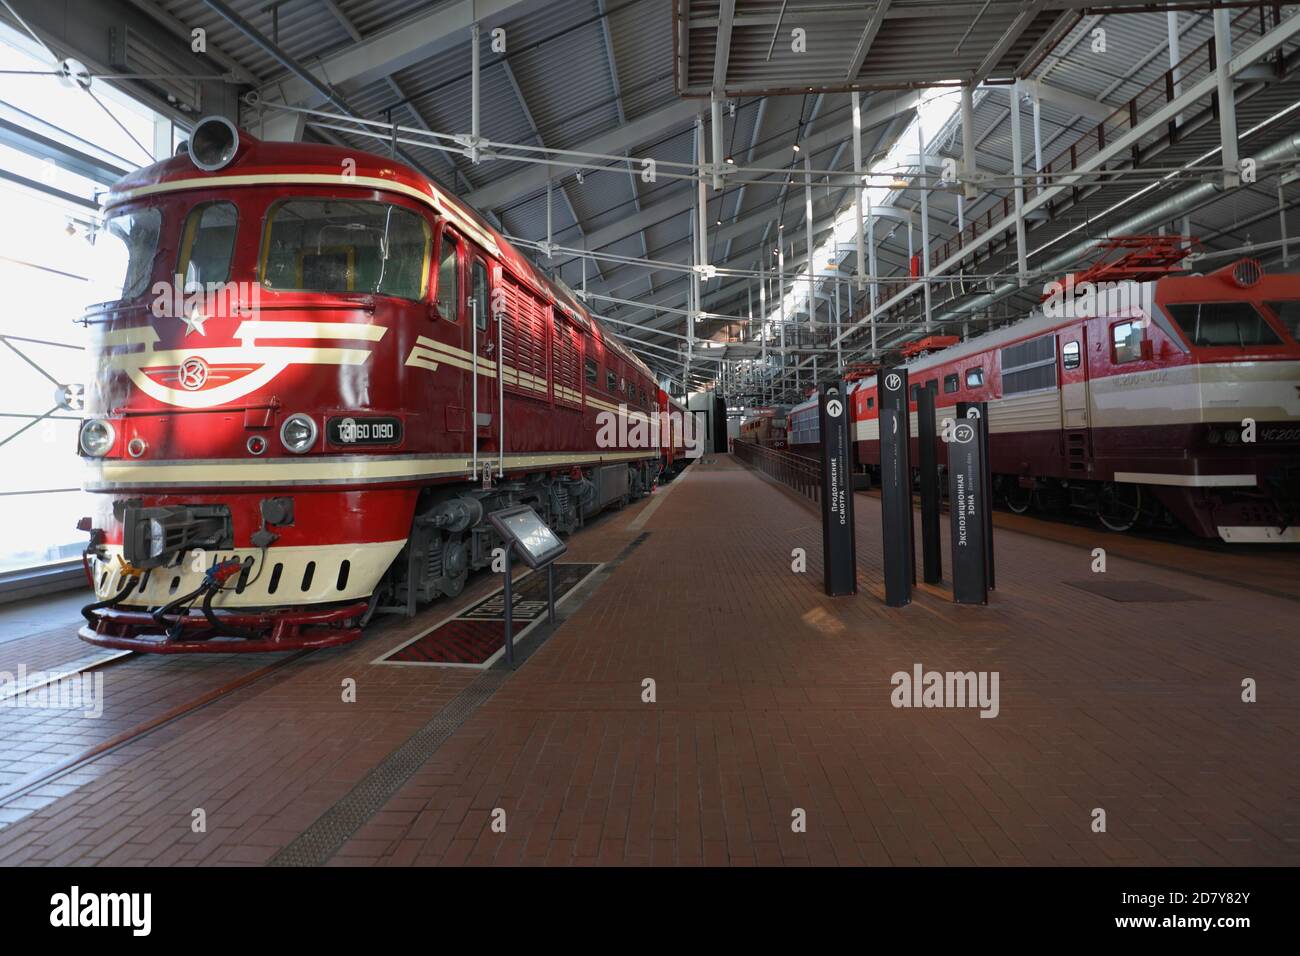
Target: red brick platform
770,698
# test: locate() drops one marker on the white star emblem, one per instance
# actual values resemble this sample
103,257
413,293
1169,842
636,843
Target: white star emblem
194,322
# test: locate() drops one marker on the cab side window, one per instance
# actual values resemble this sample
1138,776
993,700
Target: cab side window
480,294
1127,339
448,295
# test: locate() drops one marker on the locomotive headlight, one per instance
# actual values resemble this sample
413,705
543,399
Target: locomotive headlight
298,433
97,437
156,538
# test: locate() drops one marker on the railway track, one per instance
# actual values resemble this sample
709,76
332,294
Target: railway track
38,778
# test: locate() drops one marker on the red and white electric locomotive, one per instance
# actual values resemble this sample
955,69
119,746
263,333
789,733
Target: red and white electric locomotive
321,375
1164,394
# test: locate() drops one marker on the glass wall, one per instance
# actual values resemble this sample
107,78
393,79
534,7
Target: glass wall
46,275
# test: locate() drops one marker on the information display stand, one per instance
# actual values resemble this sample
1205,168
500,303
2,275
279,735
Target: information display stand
979,412
896,487
967,504
931,552
839,550
523,530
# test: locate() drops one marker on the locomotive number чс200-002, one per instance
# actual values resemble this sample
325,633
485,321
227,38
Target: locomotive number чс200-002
363,430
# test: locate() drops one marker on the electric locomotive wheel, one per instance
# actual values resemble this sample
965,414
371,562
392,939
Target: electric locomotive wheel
1119,505
1017,499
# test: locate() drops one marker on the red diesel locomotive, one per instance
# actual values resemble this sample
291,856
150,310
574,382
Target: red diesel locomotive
322,373
1171,396
766,427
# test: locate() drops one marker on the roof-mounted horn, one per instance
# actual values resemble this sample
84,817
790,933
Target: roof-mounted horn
214,143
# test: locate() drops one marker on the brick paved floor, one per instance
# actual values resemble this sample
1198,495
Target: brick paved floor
770,698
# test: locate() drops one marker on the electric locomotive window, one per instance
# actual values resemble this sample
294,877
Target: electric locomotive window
125,250
975,377
330,245
447,298
611,381
1289,313
1127,339
480,294
871,401
1070,355
207,244
1223,323
950,383
592,372
916,392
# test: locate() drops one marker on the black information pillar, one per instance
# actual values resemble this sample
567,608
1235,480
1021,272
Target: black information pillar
967,502
979,411
931,553
839,551
896,487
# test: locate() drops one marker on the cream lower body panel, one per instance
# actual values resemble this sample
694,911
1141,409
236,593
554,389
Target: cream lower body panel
366,565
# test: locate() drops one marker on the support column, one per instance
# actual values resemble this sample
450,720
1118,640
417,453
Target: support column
715,129
875,291
550,241
1017,170
1038,141
922,181
701,197
473,94
812,266
1281,220
1227,99
1175,57
968,165
857,189
839,328
780,298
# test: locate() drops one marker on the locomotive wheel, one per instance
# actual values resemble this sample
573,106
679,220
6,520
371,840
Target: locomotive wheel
455,565
1119,505
1018,499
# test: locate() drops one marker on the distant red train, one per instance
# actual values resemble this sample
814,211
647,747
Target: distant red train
1176,402
320,377
766,427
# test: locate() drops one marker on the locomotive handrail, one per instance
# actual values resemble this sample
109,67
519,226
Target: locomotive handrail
802,474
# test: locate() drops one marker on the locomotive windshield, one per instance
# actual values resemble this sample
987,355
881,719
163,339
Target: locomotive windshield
125,249
1208,324
1289,312
207,244
327,245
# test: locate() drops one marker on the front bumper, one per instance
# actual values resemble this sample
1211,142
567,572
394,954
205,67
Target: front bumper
282,630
